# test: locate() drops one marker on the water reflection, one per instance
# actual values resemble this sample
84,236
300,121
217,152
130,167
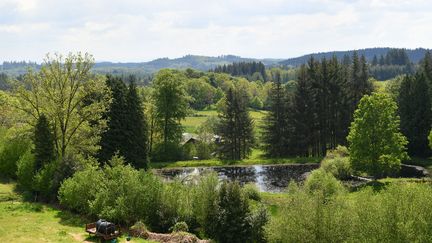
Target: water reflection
268,178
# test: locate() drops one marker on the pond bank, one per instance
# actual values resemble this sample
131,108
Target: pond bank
268,178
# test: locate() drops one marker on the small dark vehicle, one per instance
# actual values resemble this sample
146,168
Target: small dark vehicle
103,229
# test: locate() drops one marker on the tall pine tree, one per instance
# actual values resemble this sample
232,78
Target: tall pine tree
127,128
276,121
415,114
114,139
44,143
236,127
136,129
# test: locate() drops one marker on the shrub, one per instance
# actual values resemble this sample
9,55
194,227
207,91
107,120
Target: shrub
46,182
180,227
321,182
116,192
258,221
175,206
118,199
204,150
172,152
337,163
398,213
251,191
76,192
233,218
139,229
10,153
205,201
26,171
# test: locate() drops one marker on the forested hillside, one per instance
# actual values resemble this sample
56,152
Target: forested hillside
415,55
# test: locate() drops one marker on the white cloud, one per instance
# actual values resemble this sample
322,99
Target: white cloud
134,30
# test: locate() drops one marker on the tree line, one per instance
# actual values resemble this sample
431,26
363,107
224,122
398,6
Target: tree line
315,116
250,70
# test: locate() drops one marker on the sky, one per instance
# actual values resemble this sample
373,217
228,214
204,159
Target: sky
143,30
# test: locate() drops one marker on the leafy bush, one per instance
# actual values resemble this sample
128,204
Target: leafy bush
258,221
76,192
118,193
119,198
46,182
172,152
251,191
337,163
204,203
139,229
398,213
321,182
26,171
233,218
175,206
10,152
180,227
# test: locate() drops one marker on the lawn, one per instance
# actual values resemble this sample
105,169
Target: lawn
34,222
198,117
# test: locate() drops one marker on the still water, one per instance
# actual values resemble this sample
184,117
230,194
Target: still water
268,178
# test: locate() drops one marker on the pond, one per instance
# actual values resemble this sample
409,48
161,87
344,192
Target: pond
268,178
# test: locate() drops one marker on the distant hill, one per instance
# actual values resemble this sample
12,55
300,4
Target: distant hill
415,55
203,63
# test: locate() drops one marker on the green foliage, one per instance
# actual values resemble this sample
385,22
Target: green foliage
337,163
250,70
251,192
127,132
276,121
398,213
76,192
171,106
175,206
376,145
323,183
235,127
170,151
256,103
118,193
180,227
74,112
114,138
122,196
135,147
43,143
47,181
11,150
259,220
202,93
233,224
26,171
415,114
204,203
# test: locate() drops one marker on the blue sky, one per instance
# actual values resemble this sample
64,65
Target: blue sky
142,30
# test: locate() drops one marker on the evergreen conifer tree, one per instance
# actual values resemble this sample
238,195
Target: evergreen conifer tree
276,121
114,139
415,114
135,150
44,143
236,126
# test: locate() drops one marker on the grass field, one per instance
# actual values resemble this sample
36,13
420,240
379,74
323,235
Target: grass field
34,222
192,122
